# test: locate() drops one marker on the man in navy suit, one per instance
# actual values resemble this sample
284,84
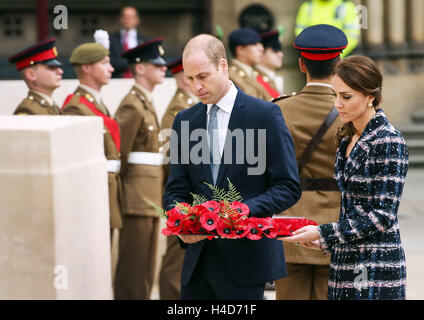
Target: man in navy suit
226,268
124,39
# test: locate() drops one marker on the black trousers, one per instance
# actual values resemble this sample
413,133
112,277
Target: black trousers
210,280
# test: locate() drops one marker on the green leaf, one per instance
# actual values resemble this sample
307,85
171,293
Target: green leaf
222,195
159,210
219,32
198,199
233,194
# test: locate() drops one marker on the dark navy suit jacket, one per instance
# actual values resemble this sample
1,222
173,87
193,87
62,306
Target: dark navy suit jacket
118,63
248,262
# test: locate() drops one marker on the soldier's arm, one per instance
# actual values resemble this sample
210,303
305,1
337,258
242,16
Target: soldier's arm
129,120
72,110
22,111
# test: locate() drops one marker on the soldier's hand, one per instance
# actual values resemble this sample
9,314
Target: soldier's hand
191,238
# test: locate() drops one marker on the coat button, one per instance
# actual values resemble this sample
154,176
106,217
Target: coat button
150,128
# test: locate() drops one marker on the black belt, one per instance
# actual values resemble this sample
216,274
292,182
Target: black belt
319,185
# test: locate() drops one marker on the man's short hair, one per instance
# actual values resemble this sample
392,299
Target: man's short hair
320,69
212,47
129,7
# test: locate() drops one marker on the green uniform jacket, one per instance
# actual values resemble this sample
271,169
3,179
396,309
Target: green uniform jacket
246,83
181,100
140,133
75,106
34,104
304,113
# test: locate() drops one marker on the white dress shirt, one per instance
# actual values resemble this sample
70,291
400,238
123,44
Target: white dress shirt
132,38
225,105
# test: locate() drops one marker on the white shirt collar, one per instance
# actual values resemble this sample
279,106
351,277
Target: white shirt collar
148,94
227,102
320,84
132,32
94,93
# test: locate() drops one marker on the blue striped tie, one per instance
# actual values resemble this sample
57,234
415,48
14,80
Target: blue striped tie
214,142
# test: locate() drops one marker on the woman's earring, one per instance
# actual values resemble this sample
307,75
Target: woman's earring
370,105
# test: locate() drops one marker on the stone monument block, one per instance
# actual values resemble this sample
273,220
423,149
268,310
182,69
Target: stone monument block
54,222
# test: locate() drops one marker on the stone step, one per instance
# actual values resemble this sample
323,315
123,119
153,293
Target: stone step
412,131
416,161
415,146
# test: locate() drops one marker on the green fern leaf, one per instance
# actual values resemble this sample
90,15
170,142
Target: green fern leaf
198,199
159,210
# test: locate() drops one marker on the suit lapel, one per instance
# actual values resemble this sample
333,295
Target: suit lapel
236,120
357,158
198,121
360,152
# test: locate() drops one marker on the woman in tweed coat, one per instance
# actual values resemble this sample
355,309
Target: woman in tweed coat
367,257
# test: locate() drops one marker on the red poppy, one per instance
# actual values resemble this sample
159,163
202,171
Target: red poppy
212,206
198,210
209,220
241,208
174,221
189,223
253,228
225,229
168,232
183,210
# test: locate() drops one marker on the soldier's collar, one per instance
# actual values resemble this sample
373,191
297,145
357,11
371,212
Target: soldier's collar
319,84
94,93
266,71
248,69
193,98
43,97
145,92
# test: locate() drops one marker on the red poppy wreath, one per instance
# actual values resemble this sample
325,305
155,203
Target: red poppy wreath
225,216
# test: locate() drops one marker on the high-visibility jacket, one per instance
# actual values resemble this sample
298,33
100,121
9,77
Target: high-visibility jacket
338,13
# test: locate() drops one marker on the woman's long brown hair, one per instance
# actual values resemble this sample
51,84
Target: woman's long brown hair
361,74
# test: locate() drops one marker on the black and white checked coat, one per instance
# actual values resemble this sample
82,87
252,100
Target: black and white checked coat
367,257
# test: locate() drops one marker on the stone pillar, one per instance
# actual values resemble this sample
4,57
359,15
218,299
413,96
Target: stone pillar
54,222
416,20
396,24
374,35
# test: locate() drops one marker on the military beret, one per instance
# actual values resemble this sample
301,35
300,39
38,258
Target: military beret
321,42
271,40
244,37
89,52
43,52
150,51
176,65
